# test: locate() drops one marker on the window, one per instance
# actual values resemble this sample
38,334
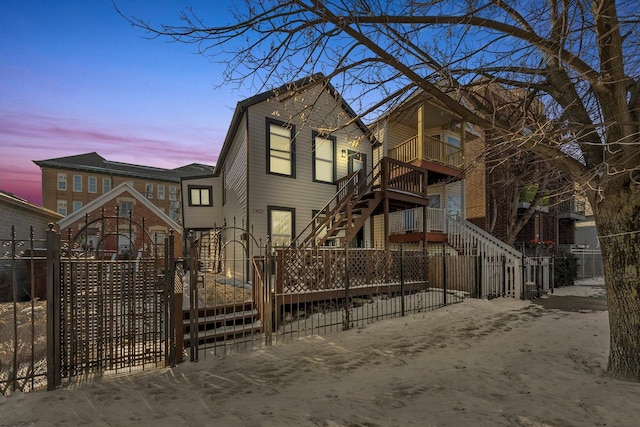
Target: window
158,243
160,191
77,205
106,185
93,184
148,191
324,165
173,194
280,149
434,201
281,225
454,205
453,141
62,181
62,207
200,196
125,208
174,210
77,183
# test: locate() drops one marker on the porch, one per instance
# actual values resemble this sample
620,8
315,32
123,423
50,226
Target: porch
434,154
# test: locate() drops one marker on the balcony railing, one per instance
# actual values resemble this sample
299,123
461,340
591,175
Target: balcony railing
433,150
410,221
572,206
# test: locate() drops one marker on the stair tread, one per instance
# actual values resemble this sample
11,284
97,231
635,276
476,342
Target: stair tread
226,330
225,316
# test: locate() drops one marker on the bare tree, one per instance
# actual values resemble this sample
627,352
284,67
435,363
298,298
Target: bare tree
579,59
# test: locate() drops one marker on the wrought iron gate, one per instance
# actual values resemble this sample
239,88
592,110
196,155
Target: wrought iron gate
109,312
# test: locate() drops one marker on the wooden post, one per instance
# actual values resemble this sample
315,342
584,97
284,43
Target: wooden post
420,132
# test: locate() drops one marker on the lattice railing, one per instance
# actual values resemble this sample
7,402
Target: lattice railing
327,269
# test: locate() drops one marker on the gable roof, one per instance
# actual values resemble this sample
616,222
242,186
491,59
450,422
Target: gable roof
242,106
93,162
110,195
12,199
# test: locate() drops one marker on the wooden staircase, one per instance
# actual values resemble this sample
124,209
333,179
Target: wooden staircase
400,185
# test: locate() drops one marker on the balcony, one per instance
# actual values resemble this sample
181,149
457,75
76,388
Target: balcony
433,150
410,221
572,209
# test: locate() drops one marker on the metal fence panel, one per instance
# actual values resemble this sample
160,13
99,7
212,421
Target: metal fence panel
23,363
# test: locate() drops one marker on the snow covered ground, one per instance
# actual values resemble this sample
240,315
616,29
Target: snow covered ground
502,362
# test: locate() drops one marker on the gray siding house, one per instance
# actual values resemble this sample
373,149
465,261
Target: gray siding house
278,167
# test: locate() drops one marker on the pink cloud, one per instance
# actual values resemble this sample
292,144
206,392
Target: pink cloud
25,137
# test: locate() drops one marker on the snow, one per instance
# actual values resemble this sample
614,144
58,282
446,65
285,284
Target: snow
502,362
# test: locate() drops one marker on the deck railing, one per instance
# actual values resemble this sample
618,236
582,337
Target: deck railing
433,150
410,221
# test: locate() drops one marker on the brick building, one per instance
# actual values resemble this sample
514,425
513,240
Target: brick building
120,223
69,183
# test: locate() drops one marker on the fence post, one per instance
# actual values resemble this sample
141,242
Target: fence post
346,324
169,277
444,273
267,294
54,378
504,276
401,279
478,271
524,276
193,298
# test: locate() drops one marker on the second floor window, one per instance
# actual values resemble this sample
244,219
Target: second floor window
160,191
106,185
62,181
200,196
93,184
77,183
173,194
148,191
280,149
324,159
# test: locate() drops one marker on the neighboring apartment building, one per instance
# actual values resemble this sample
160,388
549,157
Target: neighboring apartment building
69,183
422,132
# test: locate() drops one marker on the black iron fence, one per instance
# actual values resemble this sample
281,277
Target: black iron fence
66,314
23,362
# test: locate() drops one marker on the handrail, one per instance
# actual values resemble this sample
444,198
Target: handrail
389,174
350,181
458,220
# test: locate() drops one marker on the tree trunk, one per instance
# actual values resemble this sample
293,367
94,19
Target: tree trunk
617,219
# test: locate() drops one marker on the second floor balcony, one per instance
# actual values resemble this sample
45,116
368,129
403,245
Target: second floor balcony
572,209
433,154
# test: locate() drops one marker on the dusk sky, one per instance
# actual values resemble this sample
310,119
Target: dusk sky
76,78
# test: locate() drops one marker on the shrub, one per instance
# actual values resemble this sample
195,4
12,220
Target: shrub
565,269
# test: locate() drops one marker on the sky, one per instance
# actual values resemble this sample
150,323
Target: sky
75,77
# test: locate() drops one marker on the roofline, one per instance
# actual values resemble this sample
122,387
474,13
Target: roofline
243,105
110,195
104,171
55,216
